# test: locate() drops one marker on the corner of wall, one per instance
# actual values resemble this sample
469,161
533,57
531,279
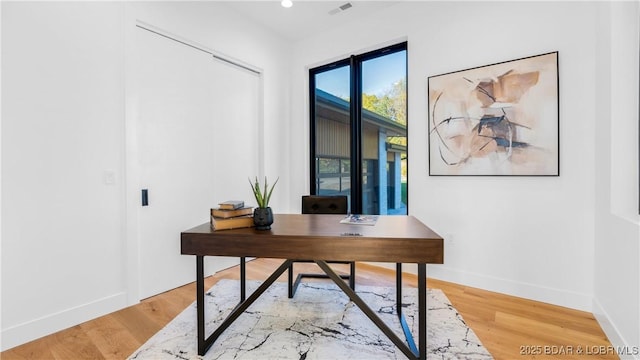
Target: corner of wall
622,347
617,231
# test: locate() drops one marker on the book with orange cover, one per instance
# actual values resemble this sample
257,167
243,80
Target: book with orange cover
231,223
225,213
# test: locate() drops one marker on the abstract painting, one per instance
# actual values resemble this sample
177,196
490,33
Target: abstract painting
499,119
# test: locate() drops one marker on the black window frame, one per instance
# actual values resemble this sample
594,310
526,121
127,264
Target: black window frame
355,94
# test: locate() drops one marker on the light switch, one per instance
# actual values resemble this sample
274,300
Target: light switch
109,177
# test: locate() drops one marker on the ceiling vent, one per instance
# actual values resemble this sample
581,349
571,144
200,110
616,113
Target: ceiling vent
340,8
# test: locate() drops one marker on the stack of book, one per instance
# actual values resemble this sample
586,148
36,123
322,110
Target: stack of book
231,214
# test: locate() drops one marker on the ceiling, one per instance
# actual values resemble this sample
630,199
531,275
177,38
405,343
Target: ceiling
306,17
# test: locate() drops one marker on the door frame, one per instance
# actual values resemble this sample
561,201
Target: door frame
132,231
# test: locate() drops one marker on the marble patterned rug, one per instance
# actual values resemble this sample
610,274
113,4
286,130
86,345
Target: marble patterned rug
320,322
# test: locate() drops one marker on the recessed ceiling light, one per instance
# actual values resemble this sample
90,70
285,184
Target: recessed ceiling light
286,3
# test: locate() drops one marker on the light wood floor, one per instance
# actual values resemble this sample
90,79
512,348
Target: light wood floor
509,327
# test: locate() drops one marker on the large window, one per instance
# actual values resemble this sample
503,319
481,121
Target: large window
359,130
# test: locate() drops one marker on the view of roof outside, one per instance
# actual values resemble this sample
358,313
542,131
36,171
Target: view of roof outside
384,178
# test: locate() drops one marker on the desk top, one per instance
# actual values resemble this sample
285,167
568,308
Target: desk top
393,238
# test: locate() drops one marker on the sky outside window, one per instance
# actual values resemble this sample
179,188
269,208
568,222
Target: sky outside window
379,75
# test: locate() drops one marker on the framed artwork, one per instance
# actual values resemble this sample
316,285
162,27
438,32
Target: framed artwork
499,120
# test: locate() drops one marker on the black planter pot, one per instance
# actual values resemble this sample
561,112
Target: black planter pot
263,218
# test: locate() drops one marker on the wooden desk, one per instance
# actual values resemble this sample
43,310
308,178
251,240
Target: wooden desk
395,239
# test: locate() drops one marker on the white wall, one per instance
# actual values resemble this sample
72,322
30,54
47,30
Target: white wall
62,131
68,241
617,234
526,236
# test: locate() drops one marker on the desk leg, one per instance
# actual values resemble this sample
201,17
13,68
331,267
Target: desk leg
422,311
200,302
243,278
403,322
399,289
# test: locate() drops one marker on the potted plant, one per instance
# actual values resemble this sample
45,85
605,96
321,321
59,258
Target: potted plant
262,215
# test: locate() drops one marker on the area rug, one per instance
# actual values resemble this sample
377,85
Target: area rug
320,322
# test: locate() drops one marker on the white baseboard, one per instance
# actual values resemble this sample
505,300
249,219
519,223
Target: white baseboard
37,328
558,297
622,347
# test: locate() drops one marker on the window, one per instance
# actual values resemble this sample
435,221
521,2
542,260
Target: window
359,130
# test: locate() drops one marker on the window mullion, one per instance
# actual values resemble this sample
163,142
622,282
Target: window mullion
312,137
356,135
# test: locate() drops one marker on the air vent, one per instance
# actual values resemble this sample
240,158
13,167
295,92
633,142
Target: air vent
341,8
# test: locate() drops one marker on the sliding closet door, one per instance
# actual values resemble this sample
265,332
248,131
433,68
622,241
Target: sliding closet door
236,133
196,126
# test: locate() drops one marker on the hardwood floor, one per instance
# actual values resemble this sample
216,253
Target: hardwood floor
509,327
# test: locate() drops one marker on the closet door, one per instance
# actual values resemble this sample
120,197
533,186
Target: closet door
194,146
236,139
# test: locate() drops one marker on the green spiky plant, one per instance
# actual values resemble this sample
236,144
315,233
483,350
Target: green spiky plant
262,195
